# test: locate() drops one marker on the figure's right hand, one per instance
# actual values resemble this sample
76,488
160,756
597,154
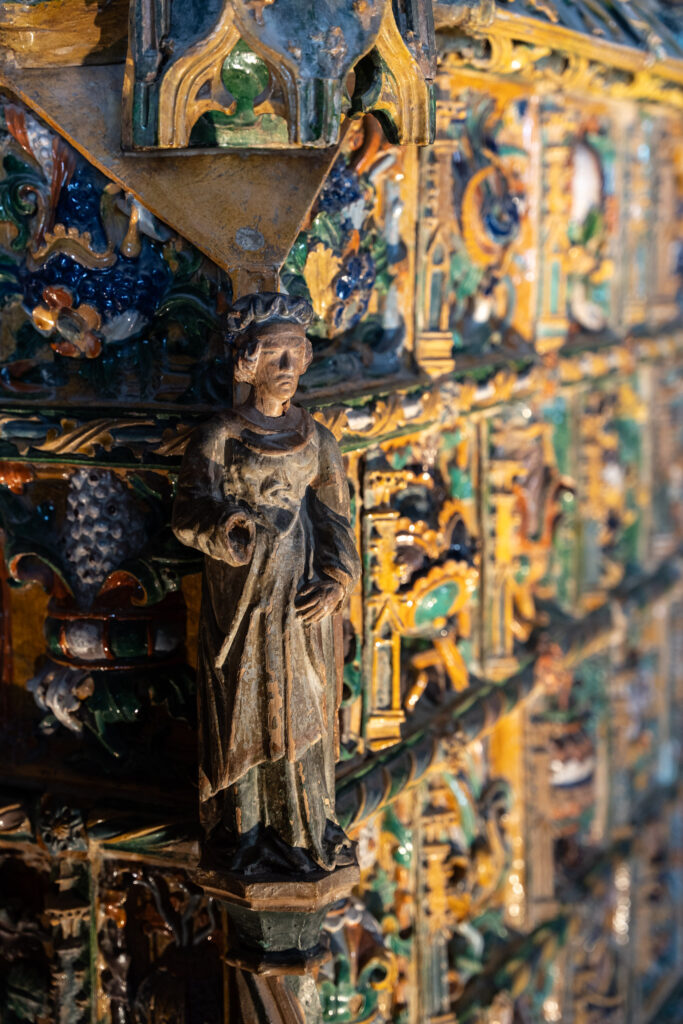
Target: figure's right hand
240,537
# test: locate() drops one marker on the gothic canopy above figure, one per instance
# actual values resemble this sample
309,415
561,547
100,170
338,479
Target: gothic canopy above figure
276,73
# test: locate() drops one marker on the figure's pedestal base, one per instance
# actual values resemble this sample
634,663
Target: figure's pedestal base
274,940
275,925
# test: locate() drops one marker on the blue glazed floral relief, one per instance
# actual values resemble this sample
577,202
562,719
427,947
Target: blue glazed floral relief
347,263
98,297
125,292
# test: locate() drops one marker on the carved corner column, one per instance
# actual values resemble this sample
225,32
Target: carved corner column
667,166
264,75
556,172
639,228
278,998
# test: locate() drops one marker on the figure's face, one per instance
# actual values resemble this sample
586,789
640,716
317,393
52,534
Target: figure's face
282,358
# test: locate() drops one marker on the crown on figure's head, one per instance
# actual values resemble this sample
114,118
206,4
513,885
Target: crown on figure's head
267,307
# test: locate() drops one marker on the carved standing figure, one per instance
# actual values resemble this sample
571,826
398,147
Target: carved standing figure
263,494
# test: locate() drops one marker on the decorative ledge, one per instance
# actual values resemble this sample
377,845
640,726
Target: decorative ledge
641,26
568,46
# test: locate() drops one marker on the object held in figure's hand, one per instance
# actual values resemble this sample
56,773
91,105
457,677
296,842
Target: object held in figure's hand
241,535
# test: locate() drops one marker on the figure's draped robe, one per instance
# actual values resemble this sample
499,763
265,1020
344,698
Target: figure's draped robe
269,687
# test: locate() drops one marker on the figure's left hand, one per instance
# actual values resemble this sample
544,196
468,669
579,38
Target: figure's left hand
318,600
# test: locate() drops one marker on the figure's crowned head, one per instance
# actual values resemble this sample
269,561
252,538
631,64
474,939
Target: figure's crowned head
269,342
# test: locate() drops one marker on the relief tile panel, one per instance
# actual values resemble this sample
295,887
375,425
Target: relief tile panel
420,544
567,764
523,489
580,217
476,234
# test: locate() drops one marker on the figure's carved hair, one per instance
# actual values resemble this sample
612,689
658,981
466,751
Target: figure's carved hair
254,311
261,307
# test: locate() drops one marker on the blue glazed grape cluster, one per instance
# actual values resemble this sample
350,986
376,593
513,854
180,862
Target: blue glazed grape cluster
356,278
79,204
130,284
353,285
341,189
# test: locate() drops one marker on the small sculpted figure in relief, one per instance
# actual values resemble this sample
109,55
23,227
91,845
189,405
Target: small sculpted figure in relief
263,494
